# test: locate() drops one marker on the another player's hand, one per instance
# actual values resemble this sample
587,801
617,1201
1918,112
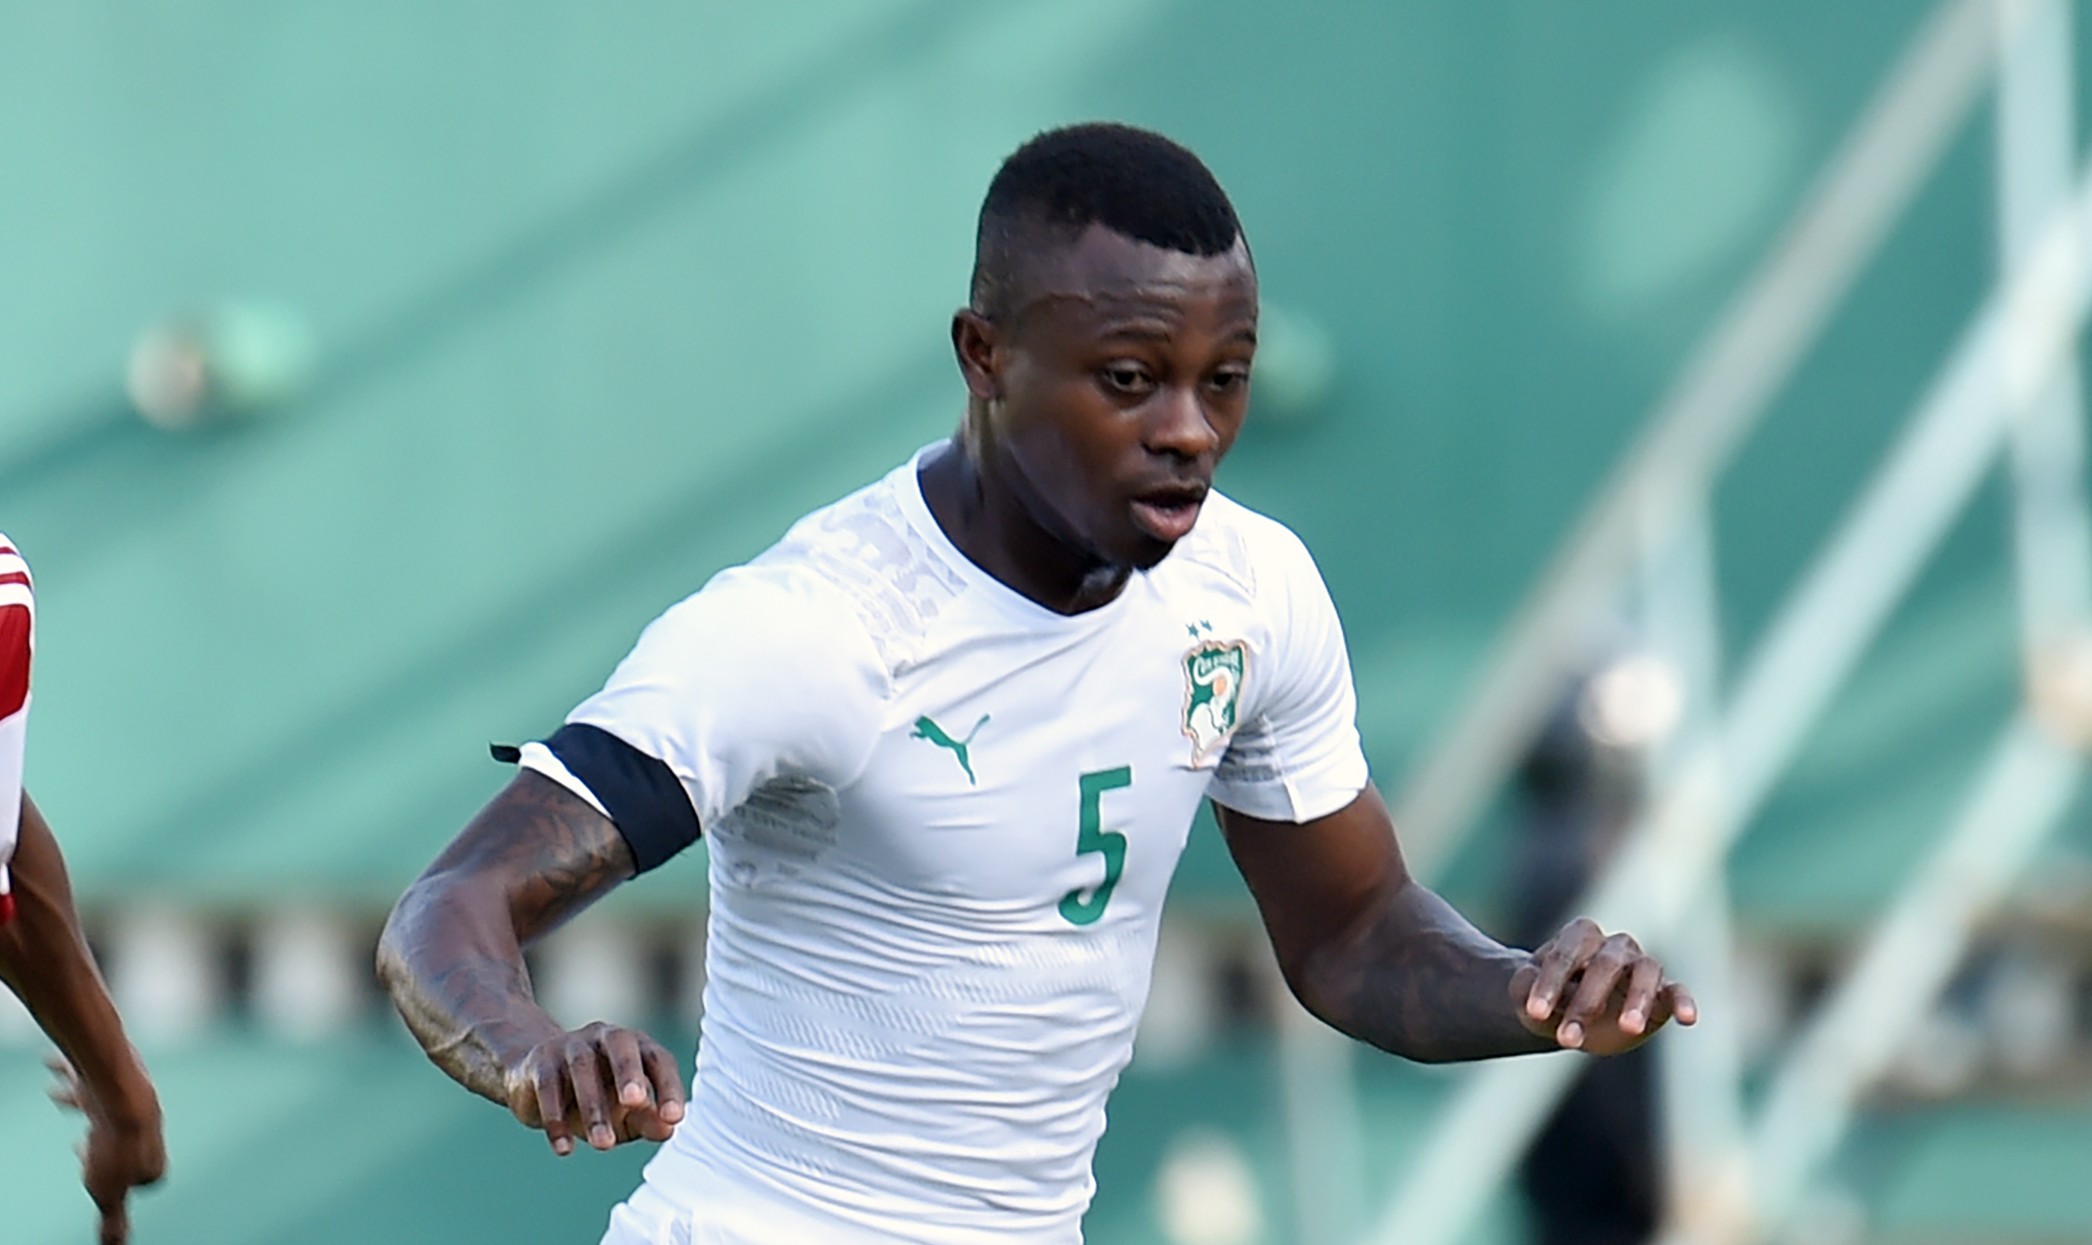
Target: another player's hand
124,1148
600,1083
1597,993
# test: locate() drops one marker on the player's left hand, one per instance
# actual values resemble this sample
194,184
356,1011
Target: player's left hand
1598,993
124,1148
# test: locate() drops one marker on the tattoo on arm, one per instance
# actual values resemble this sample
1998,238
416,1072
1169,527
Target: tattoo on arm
452,953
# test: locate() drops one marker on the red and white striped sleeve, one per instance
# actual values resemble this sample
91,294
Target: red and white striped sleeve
17,645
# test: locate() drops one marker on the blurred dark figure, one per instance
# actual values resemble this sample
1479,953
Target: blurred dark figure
1592,1175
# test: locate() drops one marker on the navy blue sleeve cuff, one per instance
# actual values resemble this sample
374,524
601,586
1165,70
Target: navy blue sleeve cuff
643,796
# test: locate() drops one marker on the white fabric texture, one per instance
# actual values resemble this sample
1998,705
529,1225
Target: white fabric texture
942,821
757,676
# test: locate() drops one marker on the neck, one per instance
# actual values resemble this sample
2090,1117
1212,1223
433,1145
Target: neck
982,509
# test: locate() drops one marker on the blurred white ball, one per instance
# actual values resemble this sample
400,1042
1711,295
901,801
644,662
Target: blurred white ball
229,361
1634,703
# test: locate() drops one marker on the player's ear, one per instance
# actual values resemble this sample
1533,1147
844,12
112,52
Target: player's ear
975,342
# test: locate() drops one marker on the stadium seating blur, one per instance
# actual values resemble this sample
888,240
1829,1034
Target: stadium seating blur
601,297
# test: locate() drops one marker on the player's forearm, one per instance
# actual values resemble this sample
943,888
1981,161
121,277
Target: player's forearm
452,952
45,960
455,971
1418,980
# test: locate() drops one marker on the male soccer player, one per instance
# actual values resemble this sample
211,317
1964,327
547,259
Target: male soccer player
946,740
44,958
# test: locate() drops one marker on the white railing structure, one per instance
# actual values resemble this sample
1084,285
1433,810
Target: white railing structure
2008,391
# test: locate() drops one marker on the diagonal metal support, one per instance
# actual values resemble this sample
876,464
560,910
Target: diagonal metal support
2003,361
2025,789
1718,398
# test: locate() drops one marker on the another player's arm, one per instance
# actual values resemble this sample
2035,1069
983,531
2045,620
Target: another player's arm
1379,957
45,960
452,958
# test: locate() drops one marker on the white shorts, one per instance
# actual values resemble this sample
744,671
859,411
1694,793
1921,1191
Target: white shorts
719,1215
682,1202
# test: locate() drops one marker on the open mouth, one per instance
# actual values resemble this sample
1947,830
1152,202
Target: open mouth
1168,514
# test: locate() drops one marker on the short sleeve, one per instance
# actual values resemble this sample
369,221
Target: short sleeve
765,672
17,649
1296,756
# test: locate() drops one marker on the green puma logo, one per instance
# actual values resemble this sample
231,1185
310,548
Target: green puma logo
926,729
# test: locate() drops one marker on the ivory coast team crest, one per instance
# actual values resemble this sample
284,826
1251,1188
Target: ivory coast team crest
1213,675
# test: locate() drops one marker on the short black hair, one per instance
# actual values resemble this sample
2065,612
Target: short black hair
1132,181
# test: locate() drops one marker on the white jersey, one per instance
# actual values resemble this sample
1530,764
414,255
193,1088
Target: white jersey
942,820
17,643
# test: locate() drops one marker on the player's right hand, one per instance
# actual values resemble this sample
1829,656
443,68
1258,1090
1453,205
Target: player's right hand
124,1149
600,1083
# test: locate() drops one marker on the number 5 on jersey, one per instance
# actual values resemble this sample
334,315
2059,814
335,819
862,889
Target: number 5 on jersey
1093,837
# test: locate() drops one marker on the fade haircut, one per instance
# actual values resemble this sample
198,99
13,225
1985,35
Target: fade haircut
1133,182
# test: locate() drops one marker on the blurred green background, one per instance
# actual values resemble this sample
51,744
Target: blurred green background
599,298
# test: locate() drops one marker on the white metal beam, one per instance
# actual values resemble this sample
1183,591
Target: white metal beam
2019,336
1718,397
2025,788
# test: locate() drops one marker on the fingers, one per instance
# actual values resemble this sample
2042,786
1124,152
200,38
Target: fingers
621,1049
655,1118
1563,955
1597,993
548,1080
587,1077
668,1085
108,1189
116,1224
67,1092
601,1084
1594,992
1681,1002
1639,1005
115,1213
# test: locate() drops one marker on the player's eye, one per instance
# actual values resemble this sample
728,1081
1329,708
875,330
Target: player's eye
1125,378
1230,380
